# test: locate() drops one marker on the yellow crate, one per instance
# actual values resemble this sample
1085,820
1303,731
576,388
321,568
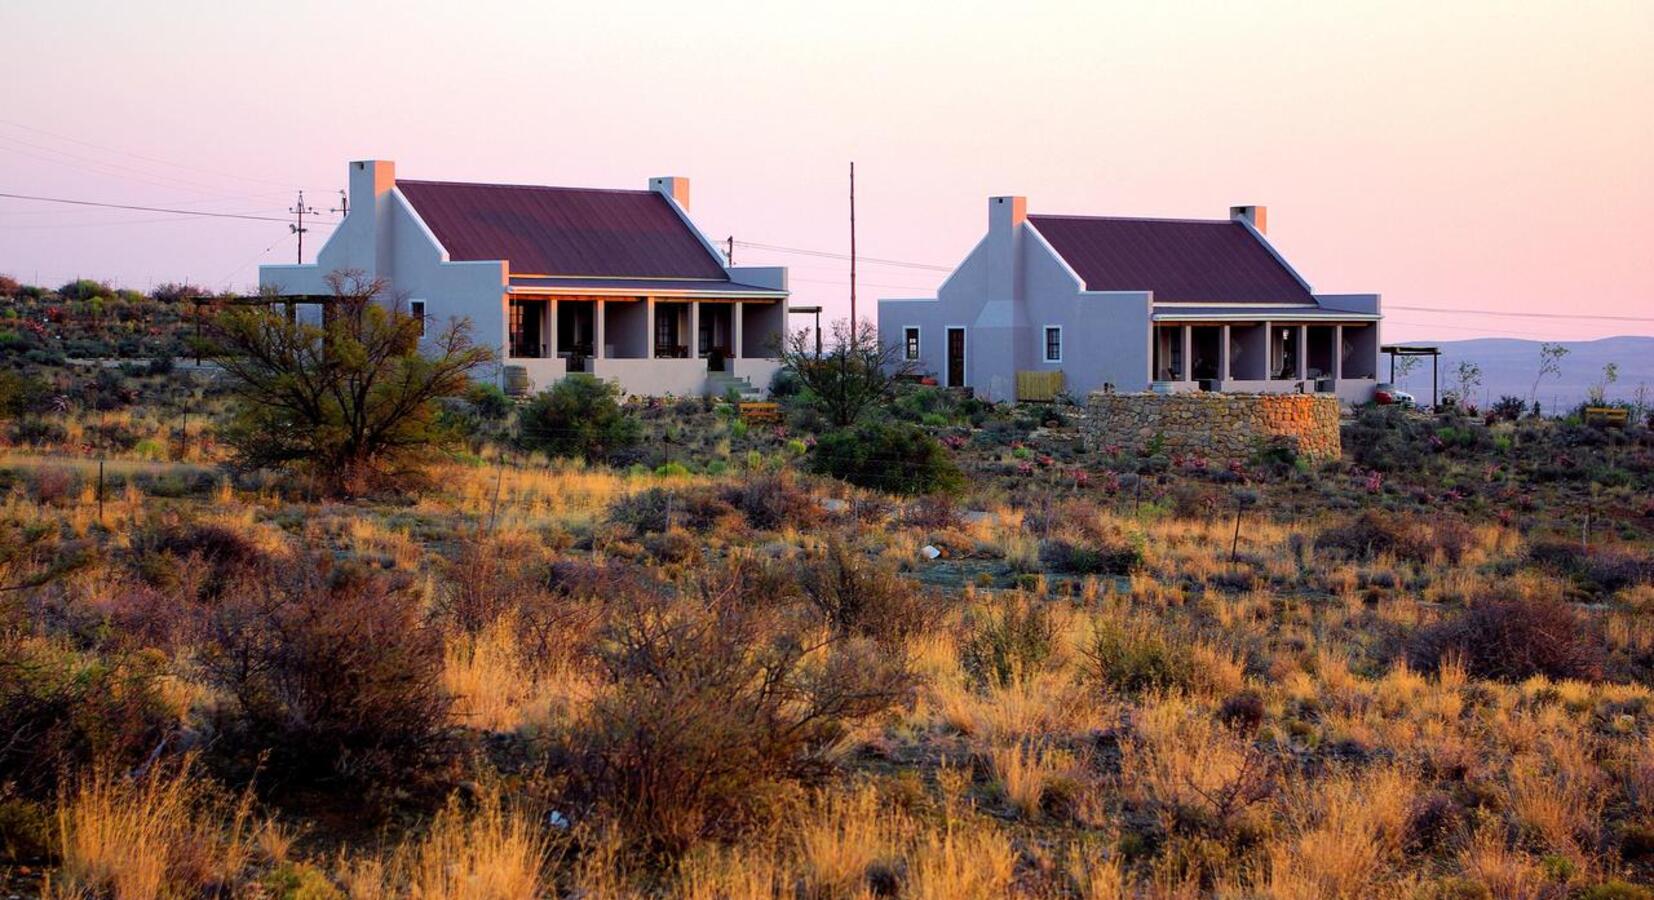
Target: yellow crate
1039,386
760,411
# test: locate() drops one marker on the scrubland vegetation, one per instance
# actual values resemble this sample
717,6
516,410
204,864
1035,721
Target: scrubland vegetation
693,656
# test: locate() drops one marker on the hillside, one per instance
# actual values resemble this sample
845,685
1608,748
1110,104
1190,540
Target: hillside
1509,364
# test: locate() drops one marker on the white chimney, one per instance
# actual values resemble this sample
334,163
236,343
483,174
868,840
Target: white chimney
370,180
1005,218
1006,213
1256,216
674,186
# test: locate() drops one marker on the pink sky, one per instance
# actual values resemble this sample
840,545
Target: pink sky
1465,155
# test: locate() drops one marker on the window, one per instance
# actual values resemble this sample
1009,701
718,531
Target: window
910,342
1053,343
416,308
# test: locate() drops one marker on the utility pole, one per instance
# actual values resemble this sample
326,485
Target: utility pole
344,204
852,252
299,209
729,251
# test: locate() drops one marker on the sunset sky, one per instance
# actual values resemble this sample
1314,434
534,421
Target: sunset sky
1452,155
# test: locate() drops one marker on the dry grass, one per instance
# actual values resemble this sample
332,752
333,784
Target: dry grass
490,852
161,835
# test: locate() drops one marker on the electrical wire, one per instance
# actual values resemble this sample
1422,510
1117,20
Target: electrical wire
160,209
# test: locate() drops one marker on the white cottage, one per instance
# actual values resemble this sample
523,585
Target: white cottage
1133,303
616,283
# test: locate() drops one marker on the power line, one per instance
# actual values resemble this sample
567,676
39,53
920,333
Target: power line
141,156
159,209
1519,315
824,254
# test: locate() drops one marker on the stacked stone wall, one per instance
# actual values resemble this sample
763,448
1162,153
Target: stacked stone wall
1226,426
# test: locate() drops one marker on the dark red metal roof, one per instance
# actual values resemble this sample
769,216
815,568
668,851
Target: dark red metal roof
1177,259
562,231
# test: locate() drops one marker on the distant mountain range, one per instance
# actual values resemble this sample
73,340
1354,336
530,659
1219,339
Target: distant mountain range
1509,365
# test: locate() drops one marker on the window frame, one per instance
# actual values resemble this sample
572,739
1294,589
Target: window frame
916,352
1045,344
416,309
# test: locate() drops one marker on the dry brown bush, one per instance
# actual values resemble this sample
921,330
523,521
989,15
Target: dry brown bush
488,577
773,502
334,673
1376,533
715,694
1510,640
860,598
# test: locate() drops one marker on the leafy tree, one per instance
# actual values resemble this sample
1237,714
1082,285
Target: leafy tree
1599,391
351,401
579,416
1469,377
9,286
1550,364
888,456
854,372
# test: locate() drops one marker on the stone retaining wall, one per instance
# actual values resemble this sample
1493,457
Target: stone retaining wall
1225,426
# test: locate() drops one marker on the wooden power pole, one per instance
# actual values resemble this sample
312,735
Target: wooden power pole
852,251
299,209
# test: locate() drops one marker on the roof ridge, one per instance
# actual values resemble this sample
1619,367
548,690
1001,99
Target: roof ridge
525,187
1131,218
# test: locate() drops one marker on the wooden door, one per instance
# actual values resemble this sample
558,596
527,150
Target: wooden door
956,357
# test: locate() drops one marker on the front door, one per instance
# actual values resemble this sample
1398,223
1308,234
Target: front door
956,357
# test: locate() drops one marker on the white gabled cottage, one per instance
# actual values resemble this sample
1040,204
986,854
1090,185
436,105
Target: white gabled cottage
1130,303
616,283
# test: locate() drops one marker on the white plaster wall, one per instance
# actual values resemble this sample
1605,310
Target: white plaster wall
655,377
1105,334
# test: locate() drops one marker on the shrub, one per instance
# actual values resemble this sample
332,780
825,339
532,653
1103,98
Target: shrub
85,289
20,394
1015,637
860,599
1602,570
1375,533
1076,559
1511,640
580,416
63,709
1243,712
713,696
489,401
1135,657
488,577
334,673
772,502
696,508
896,458
1508,408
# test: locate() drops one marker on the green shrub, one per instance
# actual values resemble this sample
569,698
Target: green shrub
580,416
1102,559
900,459
1134,658
1015,637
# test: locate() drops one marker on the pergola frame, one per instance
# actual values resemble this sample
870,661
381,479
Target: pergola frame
1435,353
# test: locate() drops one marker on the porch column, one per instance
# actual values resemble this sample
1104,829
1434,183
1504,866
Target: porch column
1186,368
736,351
1223,358
649,322
1303,352
694,329
598,327
1337,354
